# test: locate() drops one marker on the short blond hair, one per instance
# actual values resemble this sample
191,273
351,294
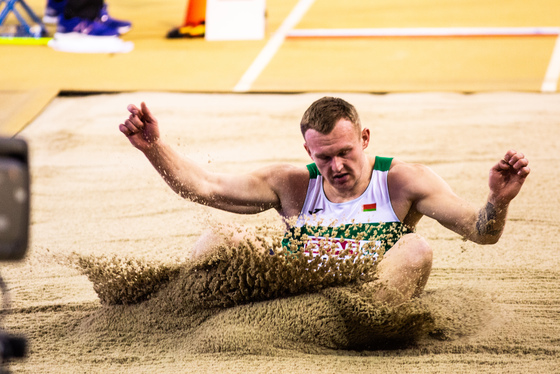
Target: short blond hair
324,113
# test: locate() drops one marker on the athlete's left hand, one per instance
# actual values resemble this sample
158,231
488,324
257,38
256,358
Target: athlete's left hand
507,177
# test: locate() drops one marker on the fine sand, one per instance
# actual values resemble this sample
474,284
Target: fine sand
106,230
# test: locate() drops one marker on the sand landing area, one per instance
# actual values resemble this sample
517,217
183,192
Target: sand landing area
486,309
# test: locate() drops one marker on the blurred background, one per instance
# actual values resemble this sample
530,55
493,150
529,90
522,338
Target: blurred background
362,46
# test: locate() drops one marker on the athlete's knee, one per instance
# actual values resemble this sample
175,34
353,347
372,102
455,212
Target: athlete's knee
421,248
416,250
421,262
405,268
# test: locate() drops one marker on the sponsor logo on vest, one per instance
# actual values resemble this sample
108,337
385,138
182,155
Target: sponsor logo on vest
317,210
336,245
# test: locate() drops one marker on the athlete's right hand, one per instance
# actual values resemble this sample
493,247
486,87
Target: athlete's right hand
141,127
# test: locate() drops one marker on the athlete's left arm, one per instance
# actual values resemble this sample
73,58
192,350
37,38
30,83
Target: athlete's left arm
434,198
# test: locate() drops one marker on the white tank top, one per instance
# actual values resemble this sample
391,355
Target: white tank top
373,206
370,218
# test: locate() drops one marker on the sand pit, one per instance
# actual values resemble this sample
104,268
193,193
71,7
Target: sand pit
486,308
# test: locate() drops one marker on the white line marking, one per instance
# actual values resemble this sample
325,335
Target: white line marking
425,31
272,46
550,83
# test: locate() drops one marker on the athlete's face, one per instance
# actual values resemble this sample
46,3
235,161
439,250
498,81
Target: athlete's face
340,156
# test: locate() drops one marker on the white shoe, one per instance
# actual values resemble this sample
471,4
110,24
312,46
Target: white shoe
83,43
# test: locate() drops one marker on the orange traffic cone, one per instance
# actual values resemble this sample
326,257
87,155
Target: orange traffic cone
193,26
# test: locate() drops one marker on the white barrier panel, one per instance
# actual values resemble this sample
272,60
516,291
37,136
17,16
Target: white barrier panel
235,19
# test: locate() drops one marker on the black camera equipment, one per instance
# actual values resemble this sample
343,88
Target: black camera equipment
14,226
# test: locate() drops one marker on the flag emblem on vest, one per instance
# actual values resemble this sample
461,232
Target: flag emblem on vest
369,207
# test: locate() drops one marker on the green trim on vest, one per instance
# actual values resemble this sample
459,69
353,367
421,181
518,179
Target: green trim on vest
382,163
313,171
387,233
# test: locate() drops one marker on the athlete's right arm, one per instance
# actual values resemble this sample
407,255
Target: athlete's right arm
247,193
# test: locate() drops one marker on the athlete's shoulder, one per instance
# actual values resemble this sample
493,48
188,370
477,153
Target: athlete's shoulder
406,170
290,171
290,183
412,179
286,176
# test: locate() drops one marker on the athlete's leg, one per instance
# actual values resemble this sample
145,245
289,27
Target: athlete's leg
404,271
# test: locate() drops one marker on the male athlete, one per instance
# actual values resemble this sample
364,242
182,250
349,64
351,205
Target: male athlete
343,186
